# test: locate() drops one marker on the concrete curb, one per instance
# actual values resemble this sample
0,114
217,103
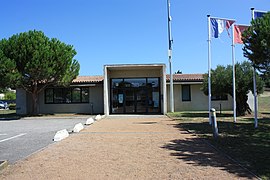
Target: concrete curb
3,165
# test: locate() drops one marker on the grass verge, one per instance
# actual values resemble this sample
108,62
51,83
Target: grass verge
240,140
8,114
264,104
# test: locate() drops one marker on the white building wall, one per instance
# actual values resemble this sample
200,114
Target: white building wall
251,101
199,101
21,102
95,105
96,99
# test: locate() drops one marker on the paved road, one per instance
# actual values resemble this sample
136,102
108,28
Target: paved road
20,138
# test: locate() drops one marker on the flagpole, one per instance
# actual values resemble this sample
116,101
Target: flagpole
209,68
170,55
254,87
233,66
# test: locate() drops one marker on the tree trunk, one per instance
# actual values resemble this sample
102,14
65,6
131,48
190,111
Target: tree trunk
34,101
241,104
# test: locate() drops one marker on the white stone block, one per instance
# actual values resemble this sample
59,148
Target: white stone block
62,134
78,127
89,121
98,117
103,116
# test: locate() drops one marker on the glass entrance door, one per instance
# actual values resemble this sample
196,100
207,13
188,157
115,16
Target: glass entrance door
141,101
131,96
117,103
130,101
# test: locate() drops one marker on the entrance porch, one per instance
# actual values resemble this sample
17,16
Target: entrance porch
135,89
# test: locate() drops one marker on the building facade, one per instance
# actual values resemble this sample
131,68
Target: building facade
124,89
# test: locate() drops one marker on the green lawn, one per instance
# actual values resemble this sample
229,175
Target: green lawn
8,114
264,103
241,141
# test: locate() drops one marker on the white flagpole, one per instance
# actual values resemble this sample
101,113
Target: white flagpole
170,55
209,68
254,87
233,66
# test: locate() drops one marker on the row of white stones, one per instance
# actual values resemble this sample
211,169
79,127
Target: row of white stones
62,134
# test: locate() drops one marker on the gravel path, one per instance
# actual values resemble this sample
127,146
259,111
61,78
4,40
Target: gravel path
128,147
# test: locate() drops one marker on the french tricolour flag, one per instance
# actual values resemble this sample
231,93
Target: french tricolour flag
219,25
258,14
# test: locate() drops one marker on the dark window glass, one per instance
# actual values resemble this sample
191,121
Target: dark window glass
116,82
223,97
85,94
135,82
76,95
49,96
67,95
153,82
58,95
186,96
135,95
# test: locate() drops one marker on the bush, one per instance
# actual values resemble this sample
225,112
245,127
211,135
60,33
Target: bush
12,106
10,96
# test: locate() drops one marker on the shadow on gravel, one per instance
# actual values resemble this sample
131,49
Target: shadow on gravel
196,152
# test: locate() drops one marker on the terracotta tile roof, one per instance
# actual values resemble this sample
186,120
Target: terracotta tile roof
176,77
88,79
185,77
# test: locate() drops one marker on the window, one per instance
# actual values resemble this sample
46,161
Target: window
186,96
49,96
223,97
85,95
76,95
58,96
153,82
66,95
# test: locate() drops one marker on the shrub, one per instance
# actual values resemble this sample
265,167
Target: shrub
10,96
12,106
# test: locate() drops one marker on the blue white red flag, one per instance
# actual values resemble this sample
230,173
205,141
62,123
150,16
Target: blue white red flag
219,25
258,14
238,30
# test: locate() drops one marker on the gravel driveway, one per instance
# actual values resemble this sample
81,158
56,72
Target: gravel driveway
128,147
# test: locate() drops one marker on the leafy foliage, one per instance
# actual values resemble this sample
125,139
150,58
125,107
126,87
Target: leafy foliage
221,83
178,72
256,41
10,95
40,61
8,71
266,78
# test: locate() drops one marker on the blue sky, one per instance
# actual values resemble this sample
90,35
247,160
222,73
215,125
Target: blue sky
131,31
